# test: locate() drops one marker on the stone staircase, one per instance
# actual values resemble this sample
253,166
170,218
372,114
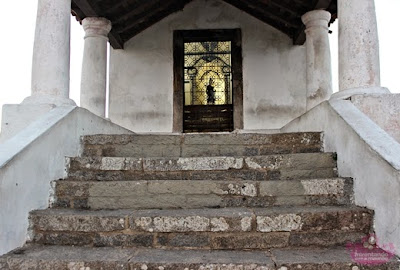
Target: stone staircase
198,201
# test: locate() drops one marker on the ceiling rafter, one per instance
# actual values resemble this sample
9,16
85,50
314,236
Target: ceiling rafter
125,4
322,4
130,17
258,14
149,5
139,24
269,12
282,5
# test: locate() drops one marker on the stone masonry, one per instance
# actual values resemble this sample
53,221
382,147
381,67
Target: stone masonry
198,201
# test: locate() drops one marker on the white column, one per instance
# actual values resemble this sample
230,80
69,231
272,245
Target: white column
359,70
51,54
94,67
319,71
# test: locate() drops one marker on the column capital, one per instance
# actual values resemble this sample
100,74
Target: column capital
96,27
316,18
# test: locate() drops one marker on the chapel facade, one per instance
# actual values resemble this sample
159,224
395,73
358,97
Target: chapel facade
224,146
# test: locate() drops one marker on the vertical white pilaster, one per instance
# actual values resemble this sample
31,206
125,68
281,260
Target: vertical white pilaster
94,66
359,70
319,71
51,54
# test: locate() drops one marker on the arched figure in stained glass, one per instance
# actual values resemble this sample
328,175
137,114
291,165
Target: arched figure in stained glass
210,93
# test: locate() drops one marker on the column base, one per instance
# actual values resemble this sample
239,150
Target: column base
345,94
47,99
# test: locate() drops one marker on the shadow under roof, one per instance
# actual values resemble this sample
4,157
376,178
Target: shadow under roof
130,17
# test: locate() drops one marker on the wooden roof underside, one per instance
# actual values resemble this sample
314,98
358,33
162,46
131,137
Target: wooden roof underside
130,17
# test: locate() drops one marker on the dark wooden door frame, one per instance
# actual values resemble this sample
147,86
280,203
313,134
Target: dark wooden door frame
181,36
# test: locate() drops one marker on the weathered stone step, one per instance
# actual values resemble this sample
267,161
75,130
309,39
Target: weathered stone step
195,145
226,228
164,194
291,165
36,257
244,174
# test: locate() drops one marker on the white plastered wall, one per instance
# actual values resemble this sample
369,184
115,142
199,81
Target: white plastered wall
34,157
367,154
383,109
141,75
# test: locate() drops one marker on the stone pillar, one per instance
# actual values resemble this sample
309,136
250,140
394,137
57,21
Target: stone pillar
319,71
359,70
51,54
94,67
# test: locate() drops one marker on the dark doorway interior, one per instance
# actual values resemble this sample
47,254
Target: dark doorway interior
208,94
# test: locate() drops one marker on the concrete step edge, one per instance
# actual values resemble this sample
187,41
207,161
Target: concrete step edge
265,220
304,137
65,257
264,163
251,188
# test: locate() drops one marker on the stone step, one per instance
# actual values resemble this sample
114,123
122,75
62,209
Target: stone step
225,228
195,145
164,194
244,174
36,257
262,167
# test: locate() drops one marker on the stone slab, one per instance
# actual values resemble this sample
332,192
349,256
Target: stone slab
81,174
299,161
193,164
205,138
321,218
337,258
156,187
273,219
250,241
332,186
198,220
303,161
166,194
137,202
78,221
196,145
36,257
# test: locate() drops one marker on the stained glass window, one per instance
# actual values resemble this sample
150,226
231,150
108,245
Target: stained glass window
207,73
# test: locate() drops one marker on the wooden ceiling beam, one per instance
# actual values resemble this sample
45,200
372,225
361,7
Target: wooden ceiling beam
125,4
126,21
115,40
280,5
130,17
86,8
140,11
140,24
89,11
258,5
260,15
142,16
322,4
77,12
